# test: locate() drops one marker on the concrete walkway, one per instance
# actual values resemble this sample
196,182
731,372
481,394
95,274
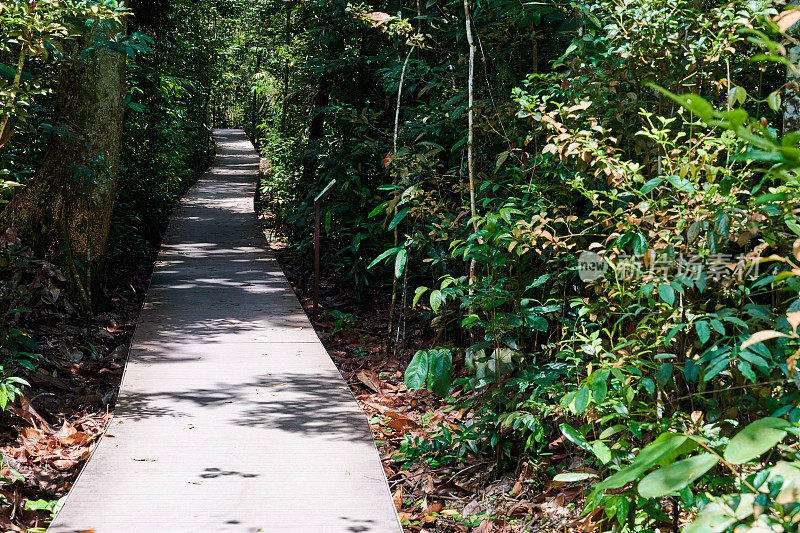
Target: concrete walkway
231,415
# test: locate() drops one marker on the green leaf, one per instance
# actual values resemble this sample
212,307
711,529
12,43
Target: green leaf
431,368
747,371
755,439
384,255
639,244
582,399
436,299
417,370
501,159
676,476
541,280
681,184
687,447
572,477
694,231
703,331
774,100
672,332
575,437
647,458
400,262
469,319
737,95
723,225
601,451
398,218
418,294
667,293
377,209
650,185
663,374
440,363
694,103
712,519
599,390
754,359
39,505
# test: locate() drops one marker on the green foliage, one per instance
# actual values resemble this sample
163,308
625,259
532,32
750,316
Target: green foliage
647,133
430,368
343,321
166,133
17,349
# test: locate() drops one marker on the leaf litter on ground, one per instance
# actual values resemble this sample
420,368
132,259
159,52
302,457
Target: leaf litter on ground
429,499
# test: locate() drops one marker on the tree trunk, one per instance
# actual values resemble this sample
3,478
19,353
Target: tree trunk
253,103
64,212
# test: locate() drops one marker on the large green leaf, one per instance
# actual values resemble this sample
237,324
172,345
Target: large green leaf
574,436
650,185
664,374
755,439
417,370
703,331
440,363
676,476
384,255
582,399
400,263
572,477
647,458
712,519
601,451
667,293
398,218
431,368
436,299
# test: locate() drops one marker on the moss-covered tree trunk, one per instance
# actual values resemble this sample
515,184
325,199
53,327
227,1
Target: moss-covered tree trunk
64,212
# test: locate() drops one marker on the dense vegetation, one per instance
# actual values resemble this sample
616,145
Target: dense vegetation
588,211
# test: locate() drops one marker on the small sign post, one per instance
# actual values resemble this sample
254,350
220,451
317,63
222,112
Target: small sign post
317,201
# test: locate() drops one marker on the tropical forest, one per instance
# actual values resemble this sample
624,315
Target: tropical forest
549,251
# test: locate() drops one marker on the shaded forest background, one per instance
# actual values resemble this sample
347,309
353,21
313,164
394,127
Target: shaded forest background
576,221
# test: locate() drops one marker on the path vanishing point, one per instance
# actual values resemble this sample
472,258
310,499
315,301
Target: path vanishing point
231,416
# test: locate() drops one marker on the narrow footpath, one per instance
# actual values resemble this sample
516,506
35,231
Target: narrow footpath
231,416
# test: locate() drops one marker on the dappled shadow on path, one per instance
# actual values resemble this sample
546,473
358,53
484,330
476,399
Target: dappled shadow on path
299,403
231,415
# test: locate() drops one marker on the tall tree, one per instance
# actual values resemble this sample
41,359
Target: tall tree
64,212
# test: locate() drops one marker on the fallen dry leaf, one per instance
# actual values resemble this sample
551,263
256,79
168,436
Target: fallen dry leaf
29,414
370,379
787,19
432,508
402,425
76,439
397,498
485,527
66,430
